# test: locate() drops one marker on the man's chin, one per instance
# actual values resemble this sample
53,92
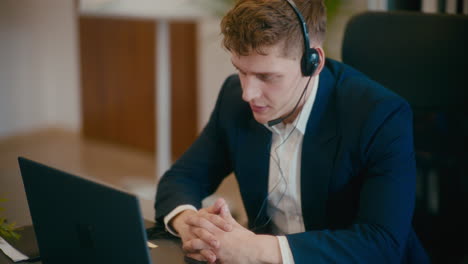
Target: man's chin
261,119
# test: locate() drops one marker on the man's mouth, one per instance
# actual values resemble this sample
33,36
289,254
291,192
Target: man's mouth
258,109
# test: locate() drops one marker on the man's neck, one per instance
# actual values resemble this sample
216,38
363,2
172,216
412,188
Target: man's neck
299,108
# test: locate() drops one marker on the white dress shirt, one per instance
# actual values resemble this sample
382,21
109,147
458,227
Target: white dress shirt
284,183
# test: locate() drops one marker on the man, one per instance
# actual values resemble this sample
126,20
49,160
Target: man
323,155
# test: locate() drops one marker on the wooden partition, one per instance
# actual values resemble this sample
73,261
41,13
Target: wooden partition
118,81
184,86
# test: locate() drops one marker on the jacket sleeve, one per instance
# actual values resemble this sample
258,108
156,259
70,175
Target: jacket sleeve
386,199
199,171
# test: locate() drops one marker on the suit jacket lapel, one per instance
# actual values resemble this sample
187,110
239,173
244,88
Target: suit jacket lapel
254,148
318,152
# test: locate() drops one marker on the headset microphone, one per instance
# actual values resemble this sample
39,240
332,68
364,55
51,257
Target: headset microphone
309,62
279,120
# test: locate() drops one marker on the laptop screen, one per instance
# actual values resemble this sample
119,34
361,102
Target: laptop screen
79,221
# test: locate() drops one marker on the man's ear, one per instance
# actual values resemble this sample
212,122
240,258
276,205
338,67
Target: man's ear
321,54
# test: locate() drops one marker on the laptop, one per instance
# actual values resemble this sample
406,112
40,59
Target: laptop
79,221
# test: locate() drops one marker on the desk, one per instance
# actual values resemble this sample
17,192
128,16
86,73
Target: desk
168,251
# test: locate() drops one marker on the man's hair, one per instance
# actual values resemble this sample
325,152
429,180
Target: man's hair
253,25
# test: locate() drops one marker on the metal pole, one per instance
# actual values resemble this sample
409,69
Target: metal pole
163,99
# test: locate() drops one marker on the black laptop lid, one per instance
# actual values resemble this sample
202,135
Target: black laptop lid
80,221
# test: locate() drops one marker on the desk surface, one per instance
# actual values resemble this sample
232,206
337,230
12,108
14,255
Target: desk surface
168,251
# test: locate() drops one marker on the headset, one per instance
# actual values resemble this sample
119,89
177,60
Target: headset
309,62
310,59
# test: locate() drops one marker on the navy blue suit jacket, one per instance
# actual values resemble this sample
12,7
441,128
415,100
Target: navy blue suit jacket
357,170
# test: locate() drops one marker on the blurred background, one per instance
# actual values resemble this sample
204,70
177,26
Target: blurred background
115,90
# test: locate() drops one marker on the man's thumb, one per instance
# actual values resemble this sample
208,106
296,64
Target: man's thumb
225,213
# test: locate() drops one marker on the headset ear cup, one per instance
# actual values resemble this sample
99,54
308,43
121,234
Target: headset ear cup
310,62
315,59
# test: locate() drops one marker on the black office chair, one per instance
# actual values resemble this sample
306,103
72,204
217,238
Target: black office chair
424,58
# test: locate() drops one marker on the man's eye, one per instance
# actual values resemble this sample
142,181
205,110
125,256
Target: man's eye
265,77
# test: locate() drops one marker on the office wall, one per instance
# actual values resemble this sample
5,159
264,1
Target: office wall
214,67
39,84
39,78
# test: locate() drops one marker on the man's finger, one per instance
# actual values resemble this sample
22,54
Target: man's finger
226,214
206,237
216,207
203,222
196,256
208,255
218,221
194,245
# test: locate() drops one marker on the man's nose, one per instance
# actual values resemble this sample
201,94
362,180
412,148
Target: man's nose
250,89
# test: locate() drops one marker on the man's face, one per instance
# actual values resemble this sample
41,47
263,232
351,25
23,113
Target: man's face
271,84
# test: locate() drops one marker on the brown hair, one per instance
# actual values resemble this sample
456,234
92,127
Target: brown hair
253,25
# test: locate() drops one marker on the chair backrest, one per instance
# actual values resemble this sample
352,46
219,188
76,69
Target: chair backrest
424,58
419,56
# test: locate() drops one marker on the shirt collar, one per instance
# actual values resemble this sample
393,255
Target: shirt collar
302,118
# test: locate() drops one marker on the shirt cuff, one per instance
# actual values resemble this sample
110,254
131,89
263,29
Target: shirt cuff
175,212
286,254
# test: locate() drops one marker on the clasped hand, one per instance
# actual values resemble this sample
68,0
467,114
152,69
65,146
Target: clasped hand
213,235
